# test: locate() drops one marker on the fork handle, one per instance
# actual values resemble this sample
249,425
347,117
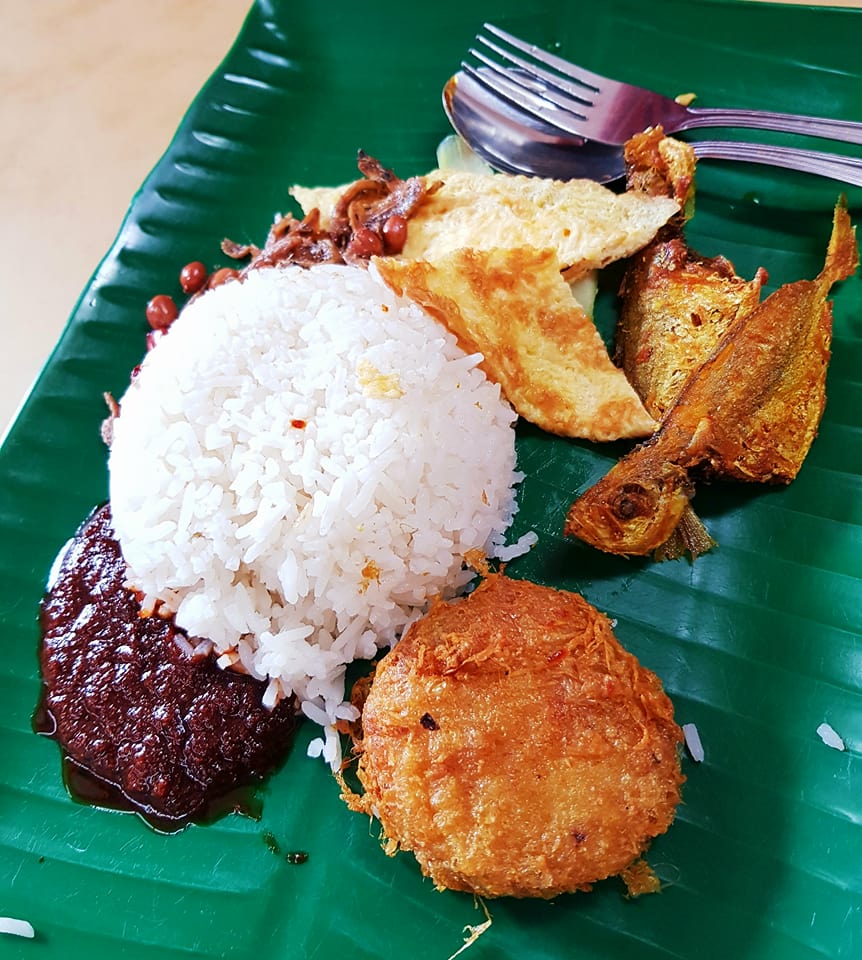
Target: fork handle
846,130
833,165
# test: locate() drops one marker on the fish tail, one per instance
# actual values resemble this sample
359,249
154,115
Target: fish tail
842,255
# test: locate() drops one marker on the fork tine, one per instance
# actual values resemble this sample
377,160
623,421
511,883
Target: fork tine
571,70
501,85
504,84
525,81
576,91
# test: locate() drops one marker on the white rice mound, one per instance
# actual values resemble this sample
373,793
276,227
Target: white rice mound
300,467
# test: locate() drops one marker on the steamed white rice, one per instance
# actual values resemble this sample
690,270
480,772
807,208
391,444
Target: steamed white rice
300,466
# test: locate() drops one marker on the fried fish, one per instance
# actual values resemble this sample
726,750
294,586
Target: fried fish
675,304
750,412
660,166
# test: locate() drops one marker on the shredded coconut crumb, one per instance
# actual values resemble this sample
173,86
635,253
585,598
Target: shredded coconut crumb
474,932
828,735
693,742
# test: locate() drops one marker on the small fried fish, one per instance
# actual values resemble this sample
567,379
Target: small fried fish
660,166
514,307
676,304
588,225
750,412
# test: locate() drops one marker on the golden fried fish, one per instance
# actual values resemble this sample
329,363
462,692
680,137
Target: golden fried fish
660,166
513,306
750,412
676,304
513,745
587,224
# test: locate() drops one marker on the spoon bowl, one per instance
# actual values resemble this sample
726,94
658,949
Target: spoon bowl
512,141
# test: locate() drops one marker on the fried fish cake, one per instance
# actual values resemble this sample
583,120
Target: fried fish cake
515,747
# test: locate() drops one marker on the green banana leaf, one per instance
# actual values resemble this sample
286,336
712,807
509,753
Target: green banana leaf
757,642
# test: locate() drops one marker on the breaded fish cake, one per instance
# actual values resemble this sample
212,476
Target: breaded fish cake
515,747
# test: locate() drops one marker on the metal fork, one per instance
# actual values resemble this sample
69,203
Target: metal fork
586,104
517,142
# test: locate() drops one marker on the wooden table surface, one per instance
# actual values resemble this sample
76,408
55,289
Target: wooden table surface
92,91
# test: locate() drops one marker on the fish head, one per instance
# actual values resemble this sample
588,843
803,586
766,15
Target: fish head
633,509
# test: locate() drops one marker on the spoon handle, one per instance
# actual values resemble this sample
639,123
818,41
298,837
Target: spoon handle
833,165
